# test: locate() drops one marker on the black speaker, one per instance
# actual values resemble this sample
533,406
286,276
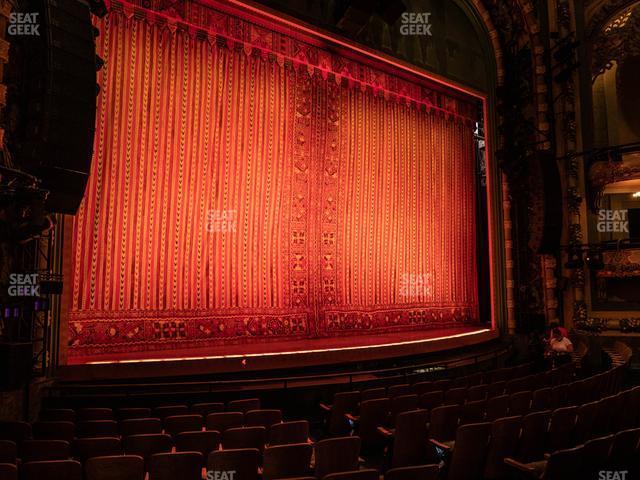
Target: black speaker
551,235
53,137
16,359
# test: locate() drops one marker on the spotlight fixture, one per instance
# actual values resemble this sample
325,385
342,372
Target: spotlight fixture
594,259
575,259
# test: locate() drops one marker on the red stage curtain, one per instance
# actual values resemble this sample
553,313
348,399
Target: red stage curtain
233,197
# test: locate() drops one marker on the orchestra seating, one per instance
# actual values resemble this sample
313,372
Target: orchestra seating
487,425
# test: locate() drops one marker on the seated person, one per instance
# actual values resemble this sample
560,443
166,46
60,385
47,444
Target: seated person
556,325
560,344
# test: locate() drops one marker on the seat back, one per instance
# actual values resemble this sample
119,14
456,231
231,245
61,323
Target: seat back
336,455
147,444
204,442
90,414
585,420
559,396
170,410
373,394
176,424
420,388
563,464
283,461
8,451
58,415
205,409
118,467
409,446
603,419
224,421
469,454
98,428
365,474
39,450
262,418
133,412
243,405
443,384
624,448
373,413
420,472
473,412
455,396
172,466
561,428
137,426
15,431
443,422
403,403
343,403
542,400
8,471
399,390
289,432
505,433
595,456
519,403
477,392
533,437
84,448
243,462
497,407
431,400
52,470
244,437
496,389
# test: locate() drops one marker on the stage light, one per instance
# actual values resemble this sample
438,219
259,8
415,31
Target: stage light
636,195
575,259
594,259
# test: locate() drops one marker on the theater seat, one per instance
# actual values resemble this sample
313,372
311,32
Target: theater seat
52,470
244,462
419,472
334,455
8,471
118,467
367,474
283,461
173,466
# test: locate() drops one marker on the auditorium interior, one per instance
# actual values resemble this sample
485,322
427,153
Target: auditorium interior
319,239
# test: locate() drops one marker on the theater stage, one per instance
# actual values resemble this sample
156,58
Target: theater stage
273,356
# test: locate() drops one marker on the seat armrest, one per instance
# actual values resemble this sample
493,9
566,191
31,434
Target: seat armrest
351,417
326,408
438,444
520,467
385,432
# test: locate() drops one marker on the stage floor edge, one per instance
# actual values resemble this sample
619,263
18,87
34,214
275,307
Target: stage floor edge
261,357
